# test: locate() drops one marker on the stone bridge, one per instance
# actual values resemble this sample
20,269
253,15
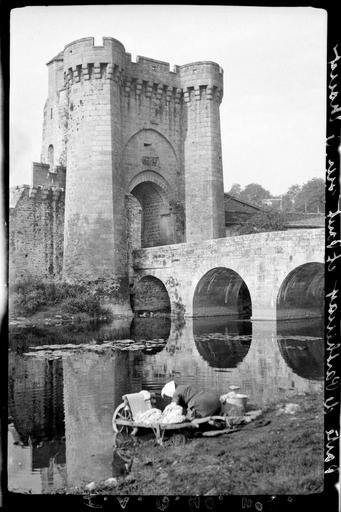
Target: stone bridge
261,276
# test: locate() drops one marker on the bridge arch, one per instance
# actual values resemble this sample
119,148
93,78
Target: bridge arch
222,292
150,296
301,294
150,176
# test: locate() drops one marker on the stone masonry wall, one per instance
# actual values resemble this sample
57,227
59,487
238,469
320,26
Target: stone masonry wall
204,186
44,176
263,261
36,232
133,210
55,110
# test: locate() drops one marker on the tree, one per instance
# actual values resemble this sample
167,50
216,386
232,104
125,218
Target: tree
263,222
311,198
289,199
235,190
254,193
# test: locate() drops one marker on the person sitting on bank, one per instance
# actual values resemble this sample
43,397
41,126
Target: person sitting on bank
197,402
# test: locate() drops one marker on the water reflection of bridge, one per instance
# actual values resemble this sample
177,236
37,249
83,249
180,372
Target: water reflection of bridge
222,343
265,360
258,366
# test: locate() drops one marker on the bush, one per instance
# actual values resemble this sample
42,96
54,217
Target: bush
26,302
83,304
263,222
27,296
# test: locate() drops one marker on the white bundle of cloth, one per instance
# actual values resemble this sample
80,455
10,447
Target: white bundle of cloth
173,413
153,415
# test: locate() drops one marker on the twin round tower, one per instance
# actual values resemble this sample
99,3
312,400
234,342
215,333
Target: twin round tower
141,145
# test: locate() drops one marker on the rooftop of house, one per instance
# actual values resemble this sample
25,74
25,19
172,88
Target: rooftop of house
238,212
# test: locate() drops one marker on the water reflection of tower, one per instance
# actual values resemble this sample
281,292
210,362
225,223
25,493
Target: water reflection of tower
36,397
93,386
36,407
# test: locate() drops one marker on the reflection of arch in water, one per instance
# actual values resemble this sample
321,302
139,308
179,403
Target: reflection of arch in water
150,328
302,347
222,292
221,342
302,292
150,295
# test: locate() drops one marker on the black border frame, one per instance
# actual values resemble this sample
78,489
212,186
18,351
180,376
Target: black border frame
329,498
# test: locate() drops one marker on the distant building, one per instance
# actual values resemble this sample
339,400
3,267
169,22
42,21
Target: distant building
275,203
237,212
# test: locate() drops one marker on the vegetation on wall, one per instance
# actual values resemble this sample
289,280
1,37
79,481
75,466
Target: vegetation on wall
28,296
262,222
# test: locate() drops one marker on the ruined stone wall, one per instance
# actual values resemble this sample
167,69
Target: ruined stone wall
36,232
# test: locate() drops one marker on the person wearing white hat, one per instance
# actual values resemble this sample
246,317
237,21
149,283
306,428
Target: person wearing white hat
168,389
199,403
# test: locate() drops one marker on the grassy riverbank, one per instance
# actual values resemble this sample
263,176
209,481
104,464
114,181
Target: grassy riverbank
282,455
38,300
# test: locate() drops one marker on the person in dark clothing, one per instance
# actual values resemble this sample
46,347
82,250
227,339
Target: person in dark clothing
198,403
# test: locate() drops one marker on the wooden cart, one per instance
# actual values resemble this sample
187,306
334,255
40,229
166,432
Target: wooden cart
123,421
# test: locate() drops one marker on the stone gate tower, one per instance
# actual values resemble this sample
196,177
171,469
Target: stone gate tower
142,149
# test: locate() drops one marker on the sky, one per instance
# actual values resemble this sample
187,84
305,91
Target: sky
274,59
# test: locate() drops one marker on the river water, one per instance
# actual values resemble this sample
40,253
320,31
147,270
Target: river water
60,407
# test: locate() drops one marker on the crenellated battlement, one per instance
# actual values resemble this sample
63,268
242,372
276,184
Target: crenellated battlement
136,86
38,194
203,92
83,62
